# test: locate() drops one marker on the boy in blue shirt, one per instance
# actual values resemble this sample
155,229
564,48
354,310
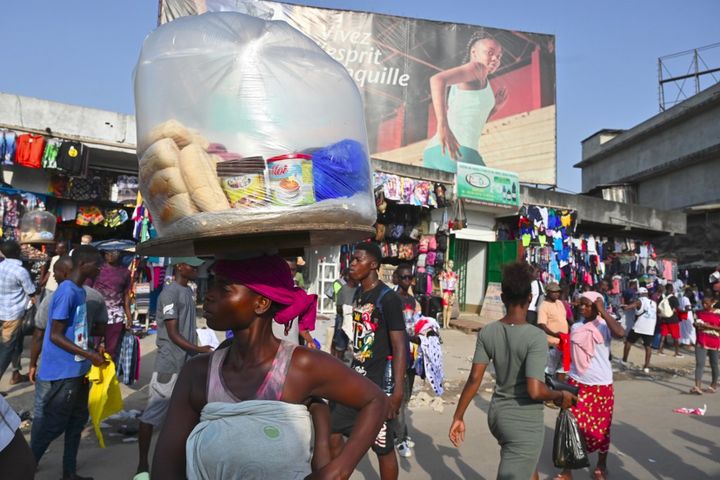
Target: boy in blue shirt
61,391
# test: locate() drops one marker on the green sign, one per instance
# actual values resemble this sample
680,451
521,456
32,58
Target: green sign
488,185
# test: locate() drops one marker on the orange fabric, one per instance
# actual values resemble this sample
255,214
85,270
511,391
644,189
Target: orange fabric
29,150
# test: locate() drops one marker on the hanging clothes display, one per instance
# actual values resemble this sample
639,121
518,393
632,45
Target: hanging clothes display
551,242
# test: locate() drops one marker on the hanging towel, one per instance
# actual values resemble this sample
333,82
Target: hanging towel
105,398
564,347
430,355
583,341
269,439
127,359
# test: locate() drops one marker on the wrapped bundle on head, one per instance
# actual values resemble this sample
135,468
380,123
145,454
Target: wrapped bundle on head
228,107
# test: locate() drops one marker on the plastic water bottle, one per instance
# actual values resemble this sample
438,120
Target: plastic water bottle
388,382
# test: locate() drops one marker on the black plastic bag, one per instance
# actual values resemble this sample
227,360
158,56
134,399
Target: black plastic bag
569,447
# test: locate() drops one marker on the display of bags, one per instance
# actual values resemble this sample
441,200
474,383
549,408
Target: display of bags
569,447
379,232
424,245
442,242
431,258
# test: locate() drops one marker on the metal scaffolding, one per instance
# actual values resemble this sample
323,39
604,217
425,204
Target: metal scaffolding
699,65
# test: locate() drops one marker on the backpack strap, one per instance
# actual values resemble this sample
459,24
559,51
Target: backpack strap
383,291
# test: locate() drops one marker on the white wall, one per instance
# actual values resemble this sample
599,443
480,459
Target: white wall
476,266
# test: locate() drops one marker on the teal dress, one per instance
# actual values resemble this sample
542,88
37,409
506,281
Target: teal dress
467,114
515,420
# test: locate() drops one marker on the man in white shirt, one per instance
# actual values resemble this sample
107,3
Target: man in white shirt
644,327
537,292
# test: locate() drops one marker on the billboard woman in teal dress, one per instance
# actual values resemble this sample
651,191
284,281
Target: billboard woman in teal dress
462,113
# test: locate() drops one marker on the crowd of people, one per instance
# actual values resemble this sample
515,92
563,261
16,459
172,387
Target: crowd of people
572,340
326,411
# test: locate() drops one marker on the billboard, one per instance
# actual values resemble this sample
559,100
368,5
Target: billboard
435,93
488,186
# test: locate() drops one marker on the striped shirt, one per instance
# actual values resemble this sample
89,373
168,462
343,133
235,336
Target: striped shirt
15,288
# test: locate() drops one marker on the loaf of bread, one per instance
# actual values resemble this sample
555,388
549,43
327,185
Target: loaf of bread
162,184
198,139
171,129
198,171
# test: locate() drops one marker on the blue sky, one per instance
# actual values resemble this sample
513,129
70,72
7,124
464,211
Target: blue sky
83,52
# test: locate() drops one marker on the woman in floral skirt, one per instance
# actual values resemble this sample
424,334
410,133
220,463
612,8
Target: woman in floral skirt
592,372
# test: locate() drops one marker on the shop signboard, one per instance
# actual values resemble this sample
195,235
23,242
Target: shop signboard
498,113
488,186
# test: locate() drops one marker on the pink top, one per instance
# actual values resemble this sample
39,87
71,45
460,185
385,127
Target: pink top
709,339
271,388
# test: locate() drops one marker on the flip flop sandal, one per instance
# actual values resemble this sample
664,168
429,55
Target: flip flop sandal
696,391
710,390
599,474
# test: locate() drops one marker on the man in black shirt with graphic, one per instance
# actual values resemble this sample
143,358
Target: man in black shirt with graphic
378,333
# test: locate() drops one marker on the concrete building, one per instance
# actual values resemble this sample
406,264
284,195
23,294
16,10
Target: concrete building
110,136
670,161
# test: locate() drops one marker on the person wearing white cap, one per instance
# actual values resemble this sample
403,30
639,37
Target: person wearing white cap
177,342
644,327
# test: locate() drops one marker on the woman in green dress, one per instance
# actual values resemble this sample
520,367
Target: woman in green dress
518,351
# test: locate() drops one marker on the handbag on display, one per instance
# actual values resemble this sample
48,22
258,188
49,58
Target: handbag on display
442,242
440,195
379,232
396,231
431,258
424,245
460,220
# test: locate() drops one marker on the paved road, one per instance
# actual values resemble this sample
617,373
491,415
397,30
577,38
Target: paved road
649,441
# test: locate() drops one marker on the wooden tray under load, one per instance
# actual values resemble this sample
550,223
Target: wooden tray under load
286,239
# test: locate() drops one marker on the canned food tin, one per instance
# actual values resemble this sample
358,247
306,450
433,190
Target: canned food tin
245,191
290,180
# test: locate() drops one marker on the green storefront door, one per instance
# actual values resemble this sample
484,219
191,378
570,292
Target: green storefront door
499,254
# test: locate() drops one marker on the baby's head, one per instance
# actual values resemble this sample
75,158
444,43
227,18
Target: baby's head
485,50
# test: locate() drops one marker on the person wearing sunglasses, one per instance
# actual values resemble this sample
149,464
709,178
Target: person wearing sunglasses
411,307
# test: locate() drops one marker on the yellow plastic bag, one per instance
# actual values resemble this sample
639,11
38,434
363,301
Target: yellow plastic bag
105,398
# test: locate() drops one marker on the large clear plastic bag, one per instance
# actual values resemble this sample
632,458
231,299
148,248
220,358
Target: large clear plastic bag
569,447
244,122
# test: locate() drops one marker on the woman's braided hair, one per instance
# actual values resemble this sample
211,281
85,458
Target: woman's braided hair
481,34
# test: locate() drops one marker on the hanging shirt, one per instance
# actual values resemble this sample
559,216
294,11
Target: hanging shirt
7,147
29,150
70,157
537,290
591,245
49,158
544,215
